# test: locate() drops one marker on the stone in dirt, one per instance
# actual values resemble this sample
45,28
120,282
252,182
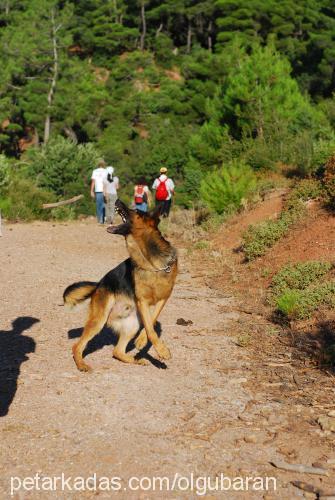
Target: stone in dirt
184,322
251,439
327,423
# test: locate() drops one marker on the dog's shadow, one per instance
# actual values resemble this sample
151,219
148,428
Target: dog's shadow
108,337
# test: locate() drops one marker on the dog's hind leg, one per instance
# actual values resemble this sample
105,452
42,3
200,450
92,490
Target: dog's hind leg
142,339
161,349
99,308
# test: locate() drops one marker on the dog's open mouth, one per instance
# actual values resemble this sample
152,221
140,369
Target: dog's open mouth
123,228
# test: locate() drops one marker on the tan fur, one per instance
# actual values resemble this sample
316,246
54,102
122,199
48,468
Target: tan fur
78,295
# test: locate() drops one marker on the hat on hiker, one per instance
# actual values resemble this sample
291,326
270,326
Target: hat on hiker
163,170
110,170
101,163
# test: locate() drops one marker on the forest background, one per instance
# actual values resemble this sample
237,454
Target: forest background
223,93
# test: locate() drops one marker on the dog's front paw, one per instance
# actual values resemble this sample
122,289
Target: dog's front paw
163,351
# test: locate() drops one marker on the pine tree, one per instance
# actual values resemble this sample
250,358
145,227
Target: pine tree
34,46
303,30
102,28
224,190
261,94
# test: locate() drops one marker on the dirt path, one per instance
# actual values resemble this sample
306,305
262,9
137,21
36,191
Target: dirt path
122,421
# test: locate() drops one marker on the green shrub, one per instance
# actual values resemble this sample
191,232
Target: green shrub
298,290
259,238
24,201
298,276
300,304
201,245
62,162
188,193
287,302
259,154
329,182
322,151
299,152
163,47
306,189
4,172
63,213
5,206
65,168
212,223
306,153
223,190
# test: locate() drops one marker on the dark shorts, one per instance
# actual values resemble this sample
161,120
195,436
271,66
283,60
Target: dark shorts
165,207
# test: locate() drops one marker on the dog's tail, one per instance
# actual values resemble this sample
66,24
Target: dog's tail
78,292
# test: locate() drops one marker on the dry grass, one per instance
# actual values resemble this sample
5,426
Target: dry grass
183,224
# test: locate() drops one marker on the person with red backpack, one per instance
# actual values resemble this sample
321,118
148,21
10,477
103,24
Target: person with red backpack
164,187
142,197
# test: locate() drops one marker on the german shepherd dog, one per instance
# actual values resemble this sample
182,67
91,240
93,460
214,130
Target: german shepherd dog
132,294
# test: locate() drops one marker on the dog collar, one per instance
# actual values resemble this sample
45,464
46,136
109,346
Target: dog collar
168,267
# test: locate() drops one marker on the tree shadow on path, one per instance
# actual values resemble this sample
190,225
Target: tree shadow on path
318,344
14,348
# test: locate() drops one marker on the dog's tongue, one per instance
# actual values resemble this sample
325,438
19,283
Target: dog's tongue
111,229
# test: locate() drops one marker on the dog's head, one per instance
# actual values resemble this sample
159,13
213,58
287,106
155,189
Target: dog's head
134,221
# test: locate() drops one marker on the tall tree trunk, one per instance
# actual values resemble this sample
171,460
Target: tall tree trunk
189,37
260,124
36,138
117,17
144,26
52,88
209,38
159,29
71,134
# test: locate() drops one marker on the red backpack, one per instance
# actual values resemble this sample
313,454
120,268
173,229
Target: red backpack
161,191
140,195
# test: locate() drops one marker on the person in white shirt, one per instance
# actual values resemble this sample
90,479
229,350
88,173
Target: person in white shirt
111,185
164,188
97,189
